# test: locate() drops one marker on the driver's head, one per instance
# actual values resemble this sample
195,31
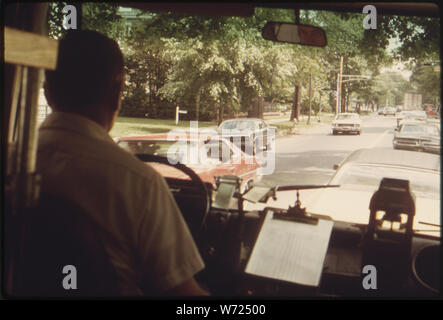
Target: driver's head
88,78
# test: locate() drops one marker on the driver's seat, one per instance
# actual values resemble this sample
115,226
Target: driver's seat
57,234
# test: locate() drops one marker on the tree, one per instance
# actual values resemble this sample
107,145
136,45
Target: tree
426,80
219,66
419,37
101,17
55,19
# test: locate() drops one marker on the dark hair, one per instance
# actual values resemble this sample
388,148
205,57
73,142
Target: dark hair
89,65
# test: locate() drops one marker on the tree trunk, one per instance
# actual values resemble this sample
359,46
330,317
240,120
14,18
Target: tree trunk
261,107
197,105
221,110
257,108
295,112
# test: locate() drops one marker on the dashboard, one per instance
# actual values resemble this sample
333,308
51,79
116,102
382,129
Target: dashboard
228,236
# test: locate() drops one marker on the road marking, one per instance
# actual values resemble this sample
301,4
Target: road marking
319,169
303,170
379,138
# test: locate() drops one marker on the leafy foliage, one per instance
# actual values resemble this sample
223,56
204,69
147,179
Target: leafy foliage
55,19
219,66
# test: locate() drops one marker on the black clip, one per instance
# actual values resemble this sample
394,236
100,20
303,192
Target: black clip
296,214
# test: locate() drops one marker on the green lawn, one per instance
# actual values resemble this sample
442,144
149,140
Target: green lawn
126,126
288,125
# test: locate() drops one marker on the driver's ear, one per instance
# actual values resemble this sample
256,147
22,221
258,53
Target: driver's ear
115,96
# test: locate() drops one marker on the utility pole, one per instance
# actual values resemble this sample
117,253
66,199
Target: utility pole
309,116
295,112
340,82
338,93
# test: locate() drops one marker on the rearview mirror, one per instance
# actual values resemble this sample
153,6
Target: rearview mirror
294,33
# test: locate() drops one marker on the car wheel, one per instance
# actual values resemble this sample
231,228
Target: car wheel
359,132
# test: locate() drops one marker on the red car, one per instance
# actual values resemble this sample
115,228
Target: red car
207,157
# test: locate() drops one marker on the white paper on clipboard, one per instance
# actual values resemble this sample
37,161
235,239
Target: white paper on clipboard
290,251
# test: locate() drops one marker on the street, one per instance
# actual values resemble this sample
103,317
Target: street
309,158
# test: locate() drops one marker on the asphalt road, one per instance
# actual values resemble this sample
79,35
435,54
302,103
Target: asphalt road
309,158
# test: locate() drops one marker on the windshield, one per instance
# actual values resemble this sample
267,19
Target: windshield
158,148
419,129
238,125
206,74
185,152
347,117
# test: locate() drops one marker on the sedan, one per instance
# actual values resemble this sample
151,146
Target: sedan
346,122
417,136
360,174
390,111
250,134
207,157
411,115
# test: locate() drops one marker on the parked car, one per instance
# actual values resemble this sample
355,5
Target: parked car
389,111
347,122
420,115
417,136
249,134
208,158
411,115
359,176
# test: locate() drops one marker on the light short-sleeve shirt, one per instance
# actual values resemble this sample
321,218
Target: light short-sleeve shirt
145,235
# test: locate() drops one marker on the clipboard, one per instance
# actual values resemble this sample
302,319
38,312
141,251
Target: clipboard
290,250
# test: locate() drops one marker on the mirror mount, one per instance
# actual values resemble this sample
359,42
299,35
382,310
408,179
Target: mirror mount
294,33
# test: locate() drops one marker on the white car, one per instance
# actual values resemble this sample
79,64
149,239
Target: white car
346,122
360,174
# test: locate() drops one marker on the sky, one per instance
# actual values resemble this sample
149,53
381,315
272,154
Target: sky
397,66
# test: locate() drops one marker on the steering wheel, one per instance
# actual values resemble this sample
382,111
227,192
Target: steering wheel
196,218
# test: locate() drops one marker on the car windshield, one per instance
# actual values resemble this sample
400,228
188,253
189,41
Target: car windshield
153,147
413,128
185,152
432,130
347,117
238,125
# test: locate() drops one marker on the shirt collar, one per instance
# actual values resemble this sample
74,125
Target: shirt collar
75,123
